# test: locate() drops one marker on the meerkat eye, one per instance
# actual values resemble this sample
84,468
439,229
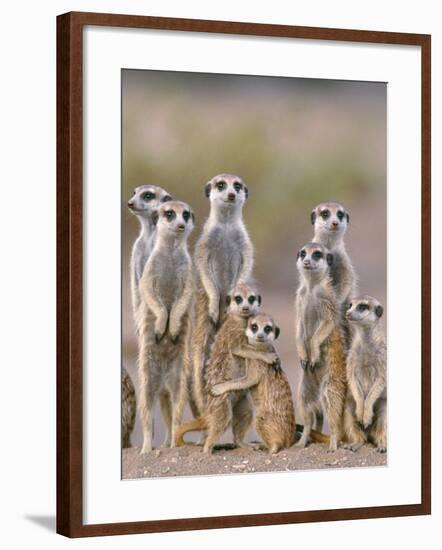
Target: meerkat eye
303,253
166,198
362,307
340,215
237,186
252,299
221,185
254,327
350,305
317,255
186,215
325,214
148,196
268,329
169,214
238,299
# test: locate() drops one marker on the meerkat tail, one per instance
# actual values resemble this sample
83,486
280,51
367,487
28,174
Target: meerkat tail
194,425
319,437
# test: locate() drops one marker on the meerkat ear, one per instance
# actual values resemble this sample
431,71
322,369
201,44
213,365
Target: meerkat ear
277,332
207,189
313,217
379,311
329,258
246,191
259,299
348,218
228,300
155,217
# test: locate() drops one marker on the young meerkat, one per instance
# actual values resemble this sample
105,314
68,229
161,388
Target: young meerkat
319,343
223,258
164,322
365,415
235,409
330,221
144,202
128,408
269,387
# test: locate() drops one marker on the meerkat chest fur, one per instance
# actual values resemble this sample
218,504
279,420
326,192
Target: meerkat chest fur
169,280
366,360
225,243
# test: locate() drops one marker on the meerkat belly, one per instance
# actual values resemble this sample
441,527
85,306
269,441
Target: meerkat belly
224,259
169,283
311,321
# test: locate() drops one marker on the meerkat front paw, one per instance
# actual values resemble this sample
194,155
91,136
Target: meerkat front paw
214,315
160,329
304,364
217,389
367,420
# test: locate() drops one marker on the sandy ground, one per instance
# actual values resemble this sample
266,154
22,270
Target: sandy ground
190,460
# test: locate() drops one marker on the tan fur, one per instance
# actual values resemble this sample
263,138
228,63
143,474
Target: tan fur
320,345
128,408
366,406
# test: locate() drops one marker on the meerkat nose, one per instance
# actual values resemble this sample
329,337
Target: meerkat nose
231,196
181,227
130,204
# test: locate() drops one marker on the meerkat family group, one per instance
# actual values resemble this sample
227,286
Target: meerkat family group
203,339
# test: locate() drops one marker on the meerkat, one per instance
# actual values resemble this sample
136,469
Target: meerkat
330,221
223,258
144,202
164,320
233,409
128,408
320,346
365,415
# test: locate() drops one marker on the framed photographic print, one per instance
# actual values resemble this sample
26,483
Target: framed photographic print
244,274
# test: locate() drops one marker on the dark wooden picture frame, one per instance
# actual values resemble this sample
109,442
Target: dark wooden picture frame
70,272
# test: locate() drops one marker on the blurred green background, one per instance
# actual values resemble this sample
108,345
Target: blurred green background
295,142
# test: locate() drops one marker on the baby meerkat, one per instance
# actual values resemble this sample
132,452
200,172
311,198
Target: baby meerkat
128,408
222,366
144,202
269,387
319,342
163,320
223,258
366,408
330,221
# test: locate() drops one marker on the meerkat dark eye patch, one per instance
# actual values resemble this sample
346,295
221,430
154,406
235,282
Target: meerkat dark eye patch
238,299
207,189
167,198
302,254
252,299
329,259
340,215
254,327
362,307
379,311
277,332
350,305
268,329
169,215
237,186
246,191
148,196
228,300
186,216
317,255
220,185
325,214
259,299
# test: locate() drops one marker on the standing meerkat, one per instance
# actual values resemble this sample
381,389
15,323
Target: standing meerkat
144,202
163,320
233,409
319,342
330,221
223,258
128,408
365,415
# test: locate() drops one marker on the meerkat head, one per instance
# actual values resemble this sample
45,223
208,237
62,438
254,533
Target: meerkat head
243,300
227,191
330,219
174,218
146,199
314,258
261,329
364,310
